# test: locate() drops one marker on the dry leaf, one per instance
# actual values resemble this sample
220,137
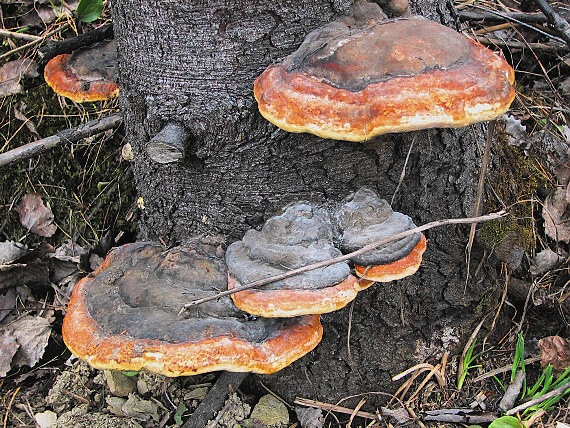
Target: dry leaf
47,419
9,348
310,417
20,114
35,216
10,251
554,350
545,261
32,335
12,72
556,220
7,302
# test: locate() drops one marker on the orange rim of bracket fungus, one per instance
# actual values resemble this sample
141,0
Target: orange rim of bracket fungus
289,303
354,81
86,75
301,235
266,347
396,270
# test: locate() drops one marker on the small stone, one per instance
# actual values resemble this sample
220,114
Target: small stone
46,419
544,261
196,394
120,384
269,412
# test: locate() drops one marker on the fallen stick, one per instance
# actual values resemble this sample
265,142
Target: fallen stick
558,22
52,48
529,18
462,416
365,249
214,400
560,390
61,138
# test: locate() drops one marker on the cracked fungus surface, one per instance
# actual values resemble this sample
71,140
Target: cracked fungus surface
143,289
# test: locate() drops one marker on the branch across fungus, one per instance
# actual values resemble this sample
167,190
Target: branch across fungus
349,256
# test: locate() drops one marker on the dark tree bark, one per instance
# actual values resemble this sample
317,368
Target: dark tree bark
194,63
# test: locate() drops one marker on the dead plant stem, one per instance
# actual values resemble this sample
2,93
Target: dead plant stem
553,393
34,42
479,195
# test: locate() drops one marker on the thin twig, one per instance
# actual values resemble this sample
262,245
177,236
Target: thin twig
345,257
19,36
403,173
34,42
524,24
514,44
483,15
558,22
553,393
64,137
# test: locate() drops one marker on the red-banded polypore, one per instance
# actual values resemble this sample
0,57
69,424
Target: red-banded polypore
88,74
304,234
124,316
300,236
365,75
363,219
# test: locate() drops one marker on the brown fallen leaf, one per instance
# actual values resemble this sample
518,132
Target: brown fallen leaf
12,72
9,347
29,337
20,114
556,219
7,302
35,216
554,350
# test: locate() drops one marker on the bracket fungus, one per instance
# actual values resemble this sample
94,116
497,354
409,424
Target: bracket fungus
365,218
300,236
124,317
365,75
88,74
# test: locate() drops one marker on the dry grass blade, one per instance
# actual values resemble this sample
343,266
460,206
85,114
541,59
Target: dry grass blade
434,371
10,406
504,369
335,408
479,196
355,411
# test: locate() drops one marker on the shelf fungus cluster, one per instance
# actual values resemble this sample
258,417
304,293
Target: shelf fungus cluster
365,75
126,315
305,234
87,74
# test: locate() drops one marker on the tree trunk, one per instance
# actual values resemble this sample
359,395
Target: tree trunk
194,63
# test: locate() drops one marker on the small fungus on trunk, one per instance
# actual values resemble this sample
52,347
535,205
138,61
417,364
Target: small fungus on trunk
364,218
124,317
300,236
365,75
88,74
